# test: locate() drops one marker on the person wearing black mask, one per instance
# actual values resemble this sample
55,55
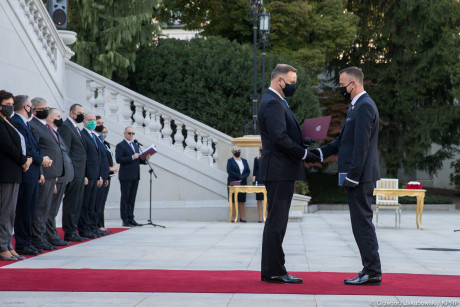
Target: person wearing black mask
55,121
280,167
28,190
358,158
238,172
73,195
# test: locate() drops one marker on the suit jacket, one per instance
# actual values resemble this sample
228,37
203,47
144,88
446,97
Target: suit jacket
129,168
233,171
11,157
105,172
357,143
109,155
49,146
33,150
282,150
93,156
255,171
68,165
74,143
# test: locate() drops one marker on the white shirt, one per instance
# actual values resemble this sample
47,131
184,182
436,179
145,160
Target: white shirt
240,165
357,97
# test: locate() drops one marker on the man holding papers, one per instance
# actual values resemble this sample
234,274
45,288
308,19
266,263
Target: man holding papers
127,155
359,169
280,166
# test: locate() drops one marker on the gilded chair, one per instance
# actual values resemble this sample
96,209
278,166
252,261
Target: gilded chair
388,202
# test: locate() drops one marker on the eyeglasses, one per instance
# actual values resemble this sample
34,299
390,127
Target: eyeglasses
131,133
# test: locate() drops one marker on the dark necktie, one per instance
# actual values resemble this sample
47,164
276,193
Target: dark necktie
95,141
52,131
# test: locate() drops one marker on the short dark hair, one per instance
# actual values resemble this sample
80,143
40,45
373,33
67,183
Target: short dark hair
354,72
4,95
98,117
74,107
282,69
20,101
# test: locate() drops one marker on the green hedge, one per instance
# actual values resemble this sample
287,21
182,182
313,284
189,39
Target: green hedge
324,190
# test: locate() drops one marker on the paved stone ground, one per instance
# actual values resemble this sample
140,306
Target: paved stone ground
321,242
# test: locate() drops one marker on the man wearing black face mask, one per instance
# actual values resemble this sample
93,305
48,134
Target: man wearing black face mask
358,158
280,167
73,196
55,121
28,190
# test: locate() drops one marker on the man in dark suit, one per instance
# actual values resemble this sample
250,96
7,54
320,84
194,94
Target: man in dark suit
280,167
73,196
127,155
49,145
358,158
28,190
54,119
87,224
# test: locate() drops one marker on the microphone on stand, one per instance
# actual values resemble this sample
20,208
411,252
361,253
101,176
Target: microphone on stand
137,142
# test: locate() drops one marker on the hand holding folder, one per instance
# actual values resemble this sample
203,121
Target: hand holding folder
150,151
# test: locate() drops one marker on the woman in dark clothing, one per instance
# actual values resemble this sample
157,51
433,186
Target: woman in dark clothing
238,172
256,181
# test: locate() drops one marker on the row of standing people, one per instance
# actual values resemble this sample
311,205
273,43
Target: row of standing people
46,161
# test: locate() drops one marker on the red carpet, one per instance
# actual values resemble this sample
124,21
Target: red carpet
61,234
86,280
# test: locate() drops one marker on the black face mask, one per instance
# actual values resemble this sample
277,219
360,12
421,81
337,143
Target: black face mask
260,150
29,113
58,122
7,110
99,128
42,114
343,91
289,89
80,118
237,154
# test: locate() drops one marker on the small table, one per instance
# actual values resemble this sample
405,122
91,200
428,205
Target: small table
234,190
420,194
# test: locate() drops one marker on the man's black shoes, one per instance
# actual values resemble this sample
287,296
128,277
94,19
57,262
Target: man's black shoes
27,250
364,279
135,224
284,279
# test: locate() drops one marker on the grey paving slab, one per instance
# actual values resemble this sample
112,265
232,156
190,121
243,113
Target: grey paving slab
322,242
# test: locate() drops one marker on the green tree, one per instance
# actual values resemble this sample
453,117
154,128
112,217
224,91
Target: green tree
109,32
409,52
310,32
210,80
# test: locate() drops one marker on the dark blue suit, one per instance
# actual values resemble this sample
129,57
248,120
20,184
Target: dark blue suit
129,176
358,157
233,171
28,190
87,222
105,173
280,166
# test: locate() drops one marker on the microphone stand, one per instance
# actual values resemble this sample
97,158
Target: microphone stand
151,171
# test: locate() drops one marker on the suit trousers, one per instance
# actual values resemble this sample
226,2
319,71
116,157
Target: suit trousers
8,200
87,214
51,232
100,193
360,203
279,196
100,204
128,198
25,212
45,195
71,205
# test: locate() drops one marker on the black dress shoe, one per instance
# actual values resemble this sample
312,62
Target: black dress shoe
39,250
88,235
105,232
243,221
365,280
44,245
360,274
74,238
135,224
27,250
126,224
58,242
285,279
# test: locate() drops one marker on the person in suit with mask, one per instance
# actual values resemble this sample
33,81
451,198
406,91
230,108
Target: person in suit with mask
280,166
238,172
13,162
127,155
73,195
358,158
54,119
87,225
28,190
49,145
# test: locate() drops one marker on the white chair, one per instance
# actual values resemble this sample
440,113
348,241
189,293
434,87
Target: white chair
387,202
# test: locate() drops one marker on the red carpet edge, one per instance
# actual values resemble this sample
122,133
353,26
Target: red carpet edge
91,280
